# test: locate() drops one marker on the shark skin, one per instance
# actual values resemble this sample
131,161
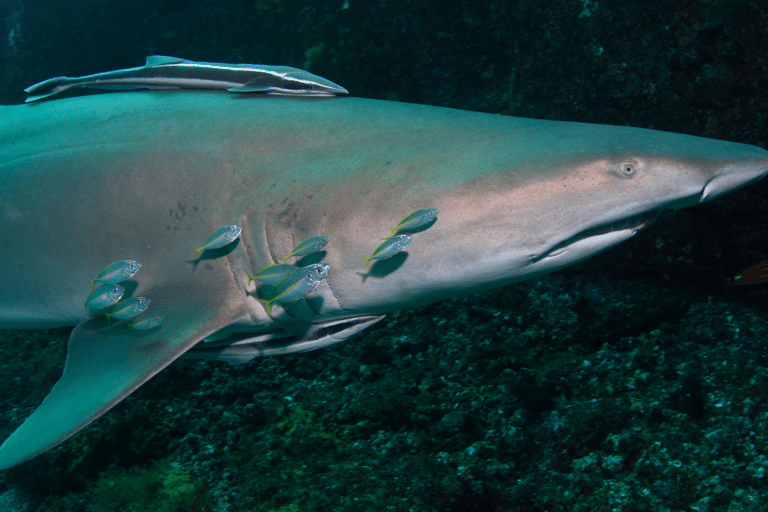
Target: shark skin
147,175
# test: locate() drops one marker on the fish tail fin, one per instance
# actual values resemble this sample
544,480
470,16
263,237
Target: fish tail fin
285,258
392,231
47,88
267,305
367,260
198,251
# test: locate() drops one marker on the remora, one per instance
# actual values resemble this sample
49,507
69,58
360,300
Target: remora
163,72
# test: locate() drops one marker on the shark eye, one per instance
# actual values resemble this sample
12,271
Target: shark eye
628,169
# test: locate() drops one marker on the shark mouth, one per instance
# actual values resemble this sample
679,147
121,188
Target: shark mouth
633,224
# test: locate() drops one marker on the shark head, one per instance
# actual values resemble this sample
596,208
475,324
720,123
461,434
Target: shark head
561,193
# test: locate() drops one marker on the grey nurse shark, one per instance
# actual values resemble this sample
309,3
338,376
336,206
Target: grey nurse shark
145,176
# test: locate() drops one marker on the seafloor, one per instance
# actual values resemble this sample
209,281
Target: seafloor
635,381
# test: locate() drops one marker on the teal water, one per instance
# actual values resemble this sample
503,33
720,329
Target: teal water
635,381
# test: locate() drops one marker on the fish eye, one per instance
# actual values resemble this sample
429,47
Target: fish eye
628,169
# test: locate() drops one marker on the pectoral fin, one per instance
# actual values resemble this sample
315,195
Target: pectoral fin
260,85
106,363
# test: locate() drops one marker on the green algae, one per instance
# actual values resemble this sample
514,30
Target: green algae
293,419
158,488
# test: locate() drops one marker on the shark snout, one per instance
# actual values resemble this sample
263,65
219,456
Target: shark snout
732,177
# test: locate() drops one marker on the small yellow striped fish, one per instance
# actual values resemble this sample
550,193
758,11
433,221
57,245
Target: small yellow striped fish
415,220
308,246
389,248
104,296
128,308
218,239
145,323
297,285
117,272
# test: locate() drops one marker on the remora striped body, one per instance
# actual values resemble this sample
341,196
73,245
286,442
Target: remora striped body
161,72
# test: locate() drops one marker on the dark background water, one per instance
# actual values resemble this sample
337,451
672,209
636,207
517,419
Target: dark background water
635,381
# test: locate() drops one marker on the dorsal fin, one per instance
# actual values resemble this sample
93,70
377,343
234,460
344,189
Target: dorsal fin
162,60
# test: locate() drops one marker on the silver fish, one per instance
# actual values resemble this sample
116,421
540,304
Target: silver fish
221,237
388,248
297,285
415,220
145,323
308,246
129,308
104,296
161,72
117,272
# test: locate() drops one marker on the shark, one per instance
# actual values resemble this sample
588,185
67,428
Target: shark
146,175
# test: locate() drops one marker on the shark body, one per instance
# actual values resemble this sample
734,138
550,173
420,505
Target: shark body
145,176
